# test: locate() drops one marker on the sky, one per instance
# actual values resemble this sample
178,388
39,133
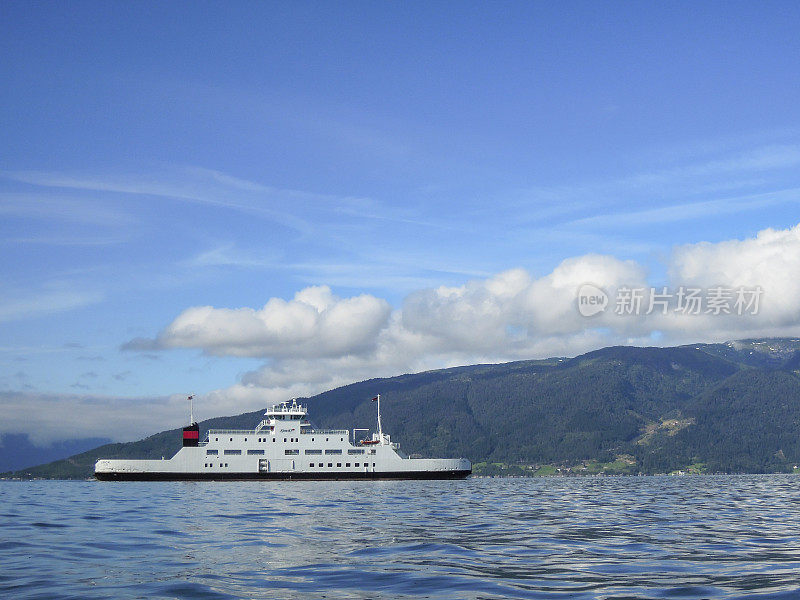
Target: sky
251,201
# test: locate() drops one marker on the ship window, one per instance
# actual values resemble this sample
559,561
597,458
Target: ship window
326,439
373,464
284,439
338,464
330,464
210,452
245,439
232,452
313,451
333,451
273,439
251,452
291,452
310,464
341,439
372,451
356,451
226,464
220,464
358,464
231,439
347,464
216,439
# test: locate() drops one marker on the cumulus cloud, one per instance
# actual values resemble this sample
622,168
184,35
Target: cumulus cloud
315,323
770,260
512,311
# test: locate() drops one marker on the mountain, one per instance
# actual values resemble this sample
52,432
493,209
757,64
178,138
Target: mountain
731,407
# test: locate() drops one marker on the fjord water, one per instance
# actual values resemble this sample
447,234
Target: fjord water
620,537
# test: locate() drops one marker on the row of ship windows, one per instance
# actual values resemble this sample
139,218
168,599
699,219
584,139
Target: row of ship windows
216,439
287,452
208,465
340,464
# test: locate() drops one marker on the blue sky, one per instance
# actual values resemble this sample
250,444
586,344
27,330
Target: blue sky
159,157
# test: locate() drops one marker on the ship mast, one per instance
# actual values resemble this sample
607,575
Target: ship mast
380,429
191,410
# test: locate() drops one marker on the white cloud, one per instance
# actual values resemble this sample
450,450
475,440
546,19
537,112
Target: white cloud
770,260
314,324
510,313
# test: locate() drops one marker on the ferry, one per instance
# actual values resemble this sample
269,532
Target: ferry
283,446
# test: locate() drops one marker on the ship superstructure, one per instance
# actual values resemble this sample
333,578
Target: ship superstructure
284,446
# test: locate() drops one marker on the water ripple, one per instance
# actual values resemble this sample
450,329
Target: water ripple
583,538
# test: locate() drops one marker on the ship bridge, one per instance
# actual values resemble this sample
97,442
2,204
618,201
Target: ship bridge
287,416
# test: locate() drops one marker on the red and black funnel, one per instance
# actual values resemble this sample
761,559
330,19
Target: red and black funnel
191,435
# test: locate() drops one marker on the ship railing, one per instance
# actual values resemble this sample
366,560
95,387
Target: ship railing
327,432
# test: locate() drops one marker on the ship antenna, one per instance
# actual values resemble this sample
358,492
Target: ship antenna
191,409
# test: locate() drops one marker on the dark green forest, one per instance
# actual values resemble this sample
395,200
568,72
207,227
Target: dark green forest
730,408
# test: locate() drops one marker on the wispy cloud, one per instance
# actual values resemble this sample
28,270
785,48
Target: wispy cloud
44,302
690,211
63,208
227,255
192,185
47,240
209,187
765,171
765,158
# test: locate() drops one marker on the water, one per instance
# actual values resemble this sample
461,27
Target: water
637,537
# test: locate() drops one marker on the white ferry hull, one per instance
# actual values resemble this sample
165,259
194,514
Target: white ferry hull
388,465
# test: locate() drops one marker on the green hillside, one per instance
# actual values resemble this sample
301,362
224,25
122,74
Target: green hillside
717,407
